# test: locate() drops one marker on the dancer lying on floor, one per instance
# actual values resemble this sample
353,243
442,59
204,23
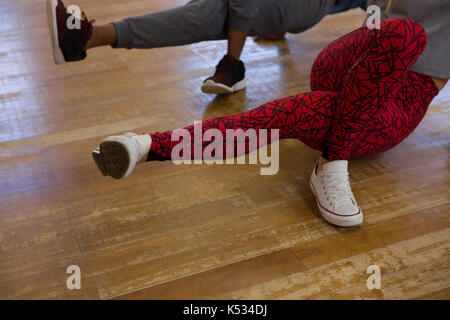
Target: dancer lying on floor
367,96
198,20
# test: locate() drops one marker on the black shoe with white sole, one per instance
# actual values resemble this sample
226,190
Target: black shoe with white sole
228,78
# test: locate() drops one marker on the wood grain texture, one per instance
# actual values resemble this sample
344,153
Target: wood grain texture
198,231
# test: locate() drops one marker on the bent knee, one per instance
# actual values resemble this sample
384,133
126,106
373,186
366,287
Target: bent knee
410,29
404,34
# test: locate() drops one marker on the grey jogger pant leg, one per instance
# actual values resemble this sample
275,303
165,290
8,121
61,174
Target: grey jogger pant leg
202,20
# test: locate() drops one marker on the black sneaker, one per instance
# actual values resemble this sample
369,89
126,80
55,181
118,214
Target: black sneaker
68,44
229,77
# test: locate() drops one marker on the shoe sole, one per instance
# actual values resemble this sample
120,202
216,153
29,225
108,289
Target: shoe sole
211,87
352,221
58,56
112,159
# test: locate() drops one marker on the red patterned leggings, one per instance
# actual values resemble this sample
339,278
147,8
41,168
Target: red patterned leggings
364,98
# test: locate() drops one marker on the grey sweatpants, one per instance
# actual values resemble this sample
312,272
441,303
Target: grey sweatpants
201,20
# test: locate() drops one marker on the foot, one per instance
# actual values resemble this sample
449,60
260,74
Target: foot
228,78
68,43
334,196
117,155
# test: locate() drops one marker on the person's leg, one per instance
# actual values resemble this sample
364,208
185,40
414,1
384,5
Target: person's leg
334,62
197,20
380,104
104,35
305,116
270,19
229,75
259,17
372,116
201,20
236,42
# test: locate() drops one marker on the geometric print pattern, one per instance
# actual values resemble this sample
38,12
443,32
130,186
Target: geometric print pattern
364,98
381,101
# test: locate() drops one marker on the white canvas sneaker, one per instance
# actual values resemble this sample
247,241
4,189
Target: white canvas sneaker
334,197
117,155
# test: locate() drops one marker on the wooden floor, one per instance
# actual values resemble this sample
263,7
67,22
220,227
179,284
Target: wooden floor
199,231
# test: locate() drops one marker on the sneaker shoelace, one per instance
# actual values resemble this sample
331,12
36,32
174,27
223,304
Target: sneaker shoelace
336,186
88,24
84,18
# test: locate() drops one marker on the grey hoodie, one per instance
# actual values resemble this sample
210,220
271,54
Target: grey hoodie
434,17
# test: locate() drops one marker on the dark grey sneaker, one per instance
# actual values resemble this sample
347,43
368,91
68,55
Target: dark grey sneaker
68,44
228,78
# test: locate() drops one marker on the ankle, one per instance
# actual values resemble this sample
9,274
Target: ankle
235,55
102,36
321,162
